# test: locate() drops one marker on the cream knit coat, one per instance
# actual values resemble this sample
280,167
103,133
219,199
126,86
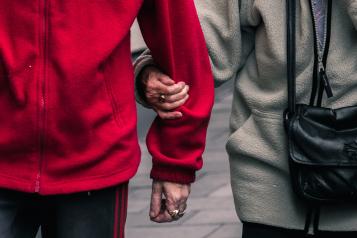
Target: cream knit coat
246,40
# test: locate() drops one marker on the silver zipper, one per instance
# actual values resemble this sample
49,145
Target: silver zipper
319,50
43,98
321,68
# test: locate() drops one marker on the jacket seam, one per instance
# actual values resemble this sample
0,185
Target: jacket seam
113,102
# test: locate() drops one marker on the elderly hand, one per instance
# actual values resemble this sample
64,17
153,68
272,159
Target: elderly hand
168,201
162,93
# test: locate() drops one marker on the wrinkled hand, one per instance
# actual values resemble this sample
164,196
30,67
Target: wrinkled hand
155,84
175,197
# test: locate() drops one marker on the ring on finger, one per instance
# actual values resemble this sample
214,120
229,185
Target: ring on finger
162,98
182,210
175,214
181,214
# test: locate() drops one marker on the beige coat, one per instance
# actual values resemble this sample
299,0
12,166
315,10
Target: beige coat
247,43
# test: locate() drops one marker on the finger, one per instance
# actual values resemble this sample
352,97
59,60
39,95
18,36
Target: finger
154,88
172,89
179,96
171,106
163,217
185,191
176,198
167,115
182,208
166,80
172,204
156,196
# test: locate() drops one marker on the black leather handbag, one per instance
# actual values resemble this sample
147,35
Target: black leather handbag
322,141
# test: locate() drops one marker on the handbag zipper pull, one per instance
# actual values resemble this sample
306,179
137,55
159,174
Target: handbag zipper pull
325,80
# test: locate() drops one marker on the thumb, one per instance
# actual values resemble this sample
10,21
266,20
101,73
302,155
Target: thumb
156,195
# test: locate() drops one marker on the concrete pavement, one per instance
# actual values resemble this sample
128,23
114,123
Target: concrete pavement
211,212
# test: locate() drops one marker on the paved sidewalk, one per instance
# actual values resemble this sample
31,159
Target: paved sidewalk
211,212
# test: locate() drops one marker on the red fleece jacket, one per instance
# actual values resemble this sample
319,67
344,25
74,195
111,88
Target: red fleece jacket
68,117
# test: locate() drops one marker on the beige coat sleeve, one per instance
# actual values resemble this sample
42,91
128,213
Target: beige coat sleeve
229,34
144,60
228,40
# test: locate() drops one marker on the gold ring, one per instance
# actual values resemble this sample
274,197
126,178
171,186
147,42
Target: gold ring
181,214
162,98
175,214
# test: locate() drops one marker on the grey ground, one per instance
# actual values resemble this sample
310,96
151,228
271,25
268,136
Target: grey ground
211,211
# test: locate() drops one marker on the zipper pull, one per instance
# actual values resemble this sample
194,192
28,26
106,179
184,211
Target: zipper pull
325,80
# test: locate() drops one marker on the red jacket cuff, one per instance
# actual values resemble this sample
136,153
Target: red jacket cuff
173,174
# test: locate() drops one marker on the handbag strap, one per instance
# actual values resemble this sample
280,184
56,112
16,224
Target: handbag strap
313,209
291,54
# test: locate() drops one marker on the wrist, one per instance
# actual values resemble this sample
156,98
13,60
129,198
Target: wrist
173,174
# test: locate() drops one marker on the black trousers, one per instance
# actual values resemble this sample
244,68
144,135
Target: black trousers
96,214
251,230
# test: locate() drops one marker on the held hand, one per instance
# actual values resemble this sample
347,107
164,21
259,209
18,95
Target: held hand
168,201
162,93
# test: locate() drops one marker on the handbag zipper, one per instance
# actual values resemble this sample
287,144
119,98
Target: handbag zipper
322,53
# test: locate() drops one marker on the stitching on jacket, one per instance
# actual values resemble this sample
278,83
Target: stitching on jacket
113,102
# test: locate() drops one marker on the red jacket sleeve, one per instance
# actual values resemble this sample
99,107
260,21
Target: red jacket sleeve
172,32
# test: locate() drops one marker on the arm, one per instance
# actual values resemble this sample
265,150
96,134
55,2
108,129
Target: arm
180,52
177,145
221,25
229,34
